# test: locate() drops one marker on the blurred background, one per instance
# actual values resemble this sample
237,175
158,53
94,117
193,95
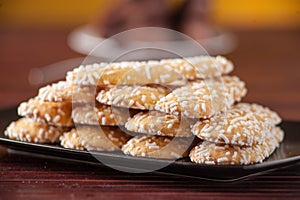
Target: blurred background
34,34
246,14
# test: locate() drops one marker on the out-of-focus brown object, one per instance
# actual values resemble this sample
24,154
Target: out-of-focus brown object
190,18
130,14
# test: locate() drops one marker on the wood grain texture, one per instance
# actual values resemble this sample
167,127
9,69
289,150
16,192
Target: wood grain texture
267,60
57,178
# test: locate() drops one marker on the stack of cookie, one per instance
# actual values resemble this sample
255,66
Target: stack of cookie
138,86
243,134
47,118
162,104
175,113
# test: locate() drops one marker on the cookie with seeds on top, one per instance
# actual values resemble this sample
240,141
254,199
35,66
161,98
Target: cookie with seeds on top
102,138
71,140
158,123
29,130
135,97
123,73
94,115
86,74
167,71
63,91
158,147
224,154
245,124
101,114
204,98
147,72
261,112
53,113
200,67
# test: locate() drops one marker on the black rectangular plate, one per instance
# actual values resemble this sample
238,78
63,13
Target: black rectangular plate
287,154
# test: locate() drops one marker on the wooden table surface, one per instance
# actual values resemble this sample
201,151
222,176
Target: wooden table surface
268,61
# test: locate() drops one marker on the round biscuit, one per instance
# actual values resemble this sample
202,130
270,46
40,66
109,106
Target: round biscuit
157,147
102,138
204,98
94,115
71,140
101,114
53,113
29,130
167,71
240,125
261,112
158,123
139,73
224,154
135,97
200,67
63,91
123,73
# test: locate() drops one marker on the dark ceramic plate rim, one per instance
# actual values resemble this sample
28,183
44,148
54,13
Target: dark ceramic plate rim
182,168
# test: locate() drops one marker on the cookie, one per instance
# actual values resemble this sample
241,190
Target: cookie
158,123
167,71
53,113
94,115
122,73
101,114
71,140
239,125
204,98
86,74
102,138
63,91
200,67
224,154
157,147
135,97
261,112
28,130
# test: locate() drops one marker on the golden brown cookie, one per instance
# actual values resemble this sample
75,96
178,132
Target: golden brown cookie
261,112
123,73
54,113
158,123
167,71
203,99
71,140
102,138
224,154
101,114
86,74
157,147
28,130
136,97
239,125
63,91
94,115
139,73
200,67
